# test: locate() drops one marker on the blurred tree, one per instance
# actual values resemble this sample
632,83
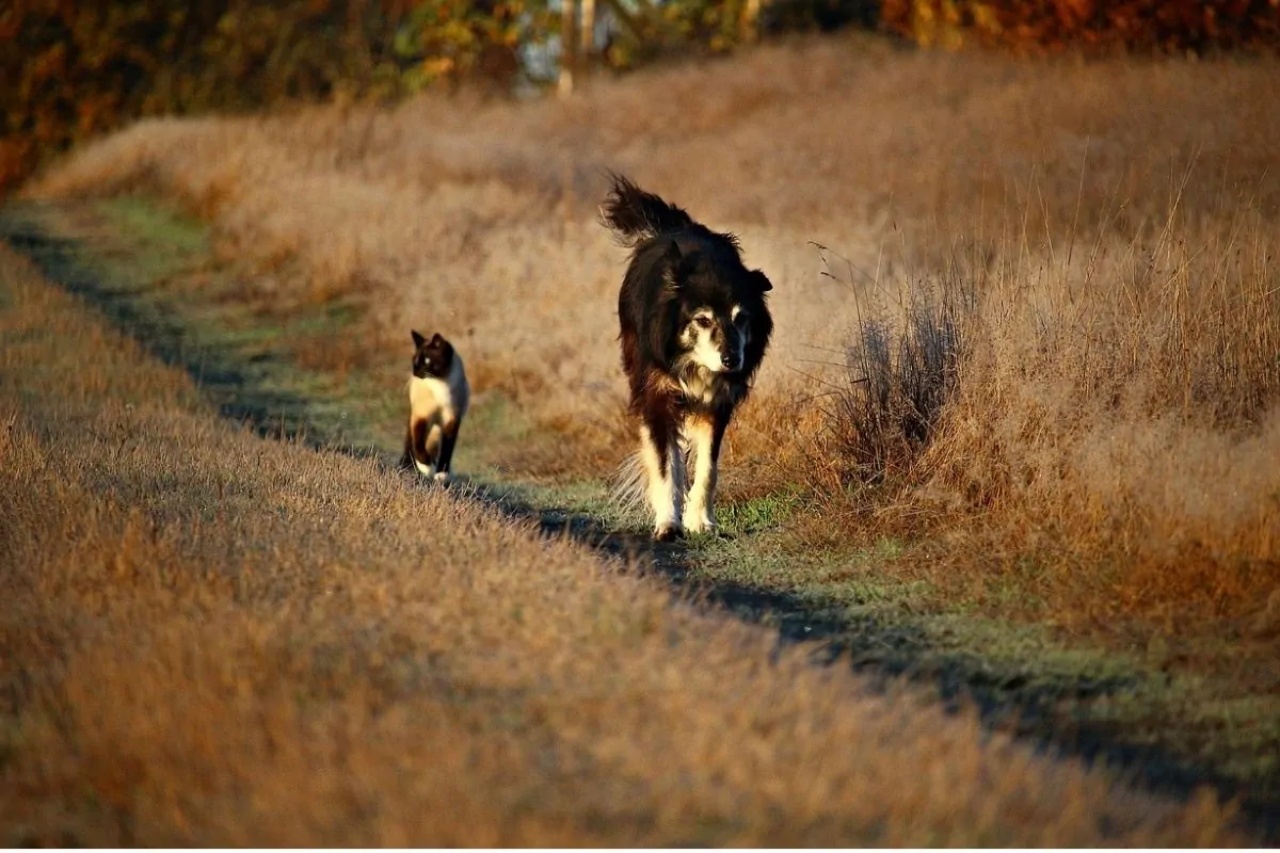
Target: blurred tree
448,40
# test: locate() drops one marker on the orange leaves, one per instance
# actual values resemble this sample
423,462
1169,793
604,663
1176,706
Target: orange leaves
47,64
17,158
1056,25
449,39
1073,13
74,69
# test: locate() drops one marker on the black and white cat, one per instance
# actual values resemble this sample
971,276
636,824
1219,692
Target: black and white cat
438,397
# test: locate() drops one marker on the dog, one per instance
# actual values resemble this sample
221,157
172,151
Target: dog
694,327
438,398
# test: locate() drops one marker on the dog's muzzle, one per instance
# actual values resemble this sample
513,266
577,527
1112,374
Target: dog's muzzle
730,361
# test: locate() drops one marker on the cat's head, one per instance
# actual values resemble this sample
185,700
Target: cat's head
432,356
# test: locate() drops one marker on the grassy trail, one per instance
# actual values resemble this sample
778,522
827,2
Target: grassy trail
151,275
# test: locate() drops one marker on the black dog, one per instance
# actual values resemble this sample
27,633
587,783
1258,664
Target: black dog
694,331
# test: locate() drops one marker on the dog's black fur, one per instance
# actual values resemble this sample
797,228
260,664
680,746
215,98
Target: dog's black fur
680,269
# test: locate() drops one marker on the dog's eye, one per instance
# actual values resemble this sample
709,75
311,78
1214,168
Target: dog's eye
742,318
702,321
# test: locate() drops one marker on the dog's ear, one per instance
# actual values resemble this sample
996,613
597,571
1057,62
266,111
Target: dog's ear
418,339
760,281
436,340
671,261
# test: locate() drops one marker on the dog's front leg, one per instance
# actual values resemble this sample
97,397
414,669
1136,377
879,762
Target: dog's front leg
664,465
699,512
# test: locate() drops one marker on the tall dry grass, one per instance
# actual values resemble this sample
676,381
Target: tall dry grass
1109,409
1114,221
211,638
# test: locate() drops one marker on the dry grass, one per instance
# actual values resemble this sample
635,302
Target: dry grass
1116,417
214,639
1113,416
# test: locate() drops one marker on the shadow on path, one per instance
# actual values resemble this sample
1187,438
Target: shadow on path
239,388
888,651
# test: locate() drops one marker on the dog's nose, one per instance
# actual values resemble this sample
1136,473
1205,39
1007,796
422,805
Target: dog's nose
729,360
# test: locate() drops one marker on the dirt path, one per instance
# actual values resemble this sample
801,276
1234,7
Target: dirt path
883,650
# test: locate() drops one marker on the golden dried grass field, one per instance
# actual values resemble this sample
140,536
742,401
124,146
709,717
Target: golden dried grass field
1110,226
214,638
1100,236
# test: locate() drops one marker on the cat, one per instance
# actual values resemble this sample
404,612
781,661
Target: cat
438,397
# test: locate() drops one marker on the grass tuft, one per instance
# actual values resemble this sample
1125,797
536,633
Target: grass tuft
903,368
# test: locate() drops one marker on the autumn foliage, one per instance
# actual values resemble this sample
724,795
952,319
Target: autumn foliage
72,70
1049,26
75,69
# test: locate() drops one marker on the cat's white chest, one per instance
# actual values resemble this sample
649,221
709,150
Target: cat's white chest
430,396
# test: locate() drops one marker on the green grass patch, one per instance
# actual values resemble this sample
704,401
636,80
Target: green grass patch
767,512
151,270
156,230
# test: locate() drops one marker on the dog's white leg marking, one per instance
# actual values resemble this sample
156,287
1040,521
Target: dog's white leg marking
663,485
699,513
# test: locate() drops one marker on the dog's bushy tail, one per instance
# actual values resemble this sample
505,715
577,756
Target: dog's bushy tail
627,487
635,215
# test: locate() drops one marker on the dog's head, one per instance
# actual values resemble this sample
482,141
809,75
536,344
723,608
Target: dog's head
432,356
721,321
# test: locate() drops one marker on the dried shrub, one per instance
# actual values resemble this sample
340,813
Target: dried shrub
903,366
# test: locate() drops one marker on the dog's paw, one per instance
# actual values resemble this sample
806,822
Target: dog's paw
699,523
441,476
667,532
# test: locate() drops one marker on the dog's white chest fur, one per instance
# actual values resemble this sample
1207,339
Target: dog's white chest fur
699,385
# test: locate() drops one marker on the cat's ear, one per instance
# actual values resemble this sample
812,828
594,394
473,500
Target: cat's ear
418,340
